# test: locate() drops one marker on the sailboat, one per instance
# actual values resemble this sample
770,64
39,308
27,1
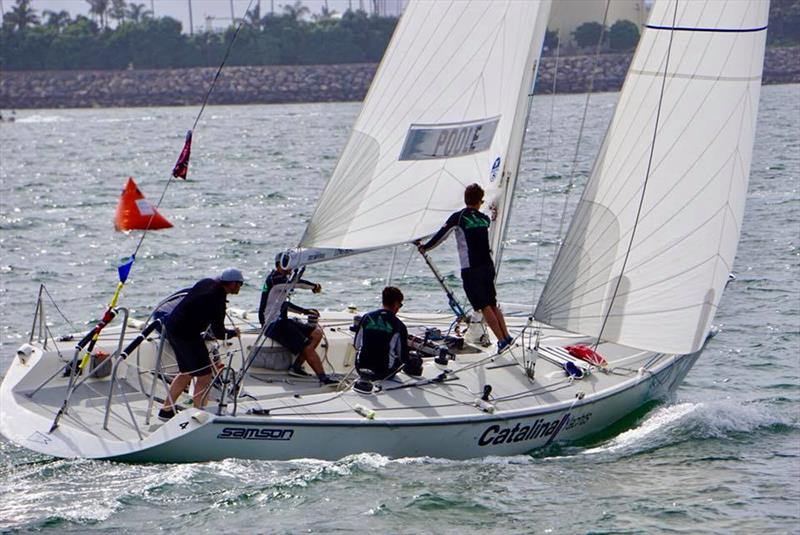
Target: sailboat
633,289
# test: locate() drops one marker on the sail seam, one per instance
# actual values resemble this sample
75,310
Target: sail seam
699,76
369,118
561,296
669,149
391,145
391,112
643,188
676,276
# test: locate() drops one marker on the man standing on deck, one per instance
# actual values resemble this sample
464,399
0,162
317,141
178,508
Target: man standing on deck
300,338
382,341
477,268
202,309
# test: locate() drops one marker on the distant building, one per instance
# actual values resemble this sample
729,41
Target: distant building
388,8
567,15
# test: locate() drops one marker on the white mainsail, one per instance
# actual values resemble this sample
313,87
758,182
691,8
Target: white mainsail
443,111
654,236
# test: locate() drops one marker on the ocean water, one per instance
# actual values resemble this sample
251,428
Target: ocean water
722,457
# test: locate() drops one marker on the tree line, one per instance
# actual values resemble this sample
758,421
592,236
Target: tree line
784,30
120,35
55,40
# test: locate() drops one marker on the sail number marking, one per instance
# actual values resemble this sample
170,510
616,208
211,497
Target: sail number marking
448,140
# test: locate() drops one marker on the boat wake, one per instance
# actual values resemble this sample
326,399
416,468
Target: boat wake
37,119
676,424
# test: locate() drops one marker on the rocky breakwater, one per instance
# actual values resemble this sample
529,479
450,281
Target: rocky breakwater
287,83
177,87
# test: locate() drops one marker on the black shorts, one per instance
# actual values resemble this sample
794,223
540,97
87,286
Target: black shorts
382,373
376,367
191,354
479,285
292,334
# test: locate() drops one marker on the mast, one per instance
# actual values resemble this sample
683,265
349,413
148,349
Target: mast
503,202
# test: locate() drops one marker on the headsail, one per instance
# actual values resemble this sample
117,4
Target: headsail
440,114
654,236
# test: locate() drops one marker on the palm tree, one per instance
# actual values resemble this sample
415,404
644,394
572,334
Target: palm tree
118,10
295,11
325,14
253,17
59,20
21,16
98,8
137,12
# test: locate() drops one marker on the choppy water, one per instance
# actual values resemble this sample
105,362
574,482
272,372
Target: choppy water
724,457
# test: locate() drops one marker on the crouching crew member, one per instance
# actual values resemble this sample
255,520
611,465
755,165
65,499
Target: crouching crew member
382,341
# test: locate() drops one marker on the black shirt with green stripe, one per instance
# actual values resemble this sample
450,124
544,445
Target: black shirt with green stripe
472,237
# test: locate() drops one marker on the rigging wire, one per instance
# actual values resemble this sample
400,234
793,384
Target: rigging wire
408,262
548,146
196,119
644,183
571,184
390,275
125,268
53,301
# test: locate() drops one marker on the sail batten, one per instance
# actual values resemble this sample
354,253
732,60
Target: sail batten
650,264
441,112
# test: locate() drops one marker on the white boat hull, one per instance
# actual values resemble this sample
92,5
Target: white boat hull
264,438
395,422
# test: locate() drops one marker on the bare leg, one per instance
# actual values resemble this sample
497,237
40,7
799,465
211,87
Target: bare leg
491,321
495,323
178,385
201,388
315,338
501,320
310,356
309,353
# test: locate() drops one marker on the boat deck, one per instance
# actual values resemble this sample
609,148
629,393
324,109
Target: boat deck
442,394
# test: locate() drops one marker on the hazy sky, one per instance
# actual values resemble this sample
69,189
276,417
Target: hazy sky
179,9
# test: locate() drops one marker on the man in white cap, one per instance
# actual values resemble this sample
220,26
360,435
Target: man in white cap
202,310
300,338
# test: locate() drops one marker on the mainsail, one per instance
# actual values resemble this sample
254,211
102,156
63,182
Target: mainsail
654,236
446,109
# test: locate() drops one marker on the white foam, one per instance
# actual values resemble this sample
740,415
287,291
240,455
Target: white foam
660,420
35,119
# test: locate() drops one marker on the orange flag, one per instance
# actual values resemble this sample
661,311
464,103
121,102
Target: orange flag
134,212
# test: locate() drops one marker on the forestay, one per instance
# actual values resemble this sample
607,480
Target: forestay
654,236
448,99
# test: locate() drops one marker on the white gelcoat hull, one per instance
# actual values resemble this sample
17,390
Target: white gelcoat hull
466,433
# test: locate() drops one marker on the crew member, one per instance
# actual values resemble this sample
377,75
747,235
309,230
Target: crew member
202,309
477,268
382,340
301,338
